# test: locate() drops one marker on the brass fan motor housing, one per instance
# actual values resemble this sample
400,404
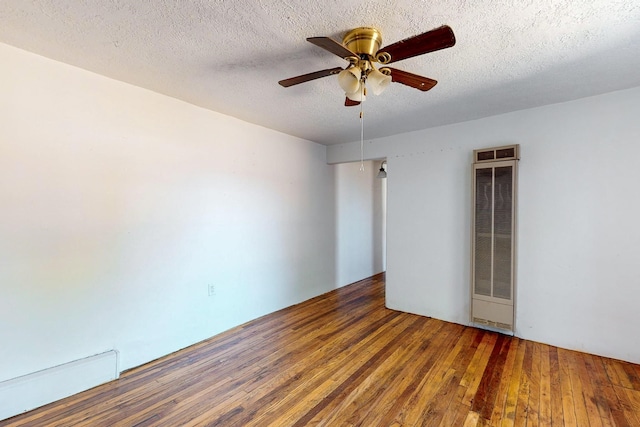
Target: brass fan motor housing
363,40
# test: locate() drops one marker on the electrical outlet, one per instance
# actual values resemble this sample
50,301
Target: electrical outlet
212,290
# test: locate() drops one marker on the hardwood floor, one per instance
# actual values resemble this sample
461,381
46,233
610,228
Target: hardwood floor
343,359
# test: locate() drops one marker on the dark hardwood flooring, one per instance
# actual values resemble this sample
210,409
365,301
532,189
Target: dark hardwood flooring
343,359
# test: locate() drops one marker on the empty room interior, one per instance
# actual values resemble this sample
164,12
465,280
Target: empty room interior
449,239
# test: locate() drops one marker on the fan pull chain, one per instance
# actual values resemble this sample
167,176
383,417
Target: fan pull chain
362,92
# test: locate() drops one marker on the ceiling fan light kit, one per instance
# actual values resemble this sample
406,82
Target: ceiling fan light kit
349,79
361,48
378,81
358,95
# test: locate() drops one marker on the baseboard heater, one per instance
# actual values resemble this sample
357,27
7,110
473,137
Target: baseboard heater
33,390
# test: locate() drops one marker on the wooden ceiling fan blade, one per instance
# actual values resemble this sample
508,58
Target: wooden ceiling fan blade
439,38
308,77
332,46
350,103
410,79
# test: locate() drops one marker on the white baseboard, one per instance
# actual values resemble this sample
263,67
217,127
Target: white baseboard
30,391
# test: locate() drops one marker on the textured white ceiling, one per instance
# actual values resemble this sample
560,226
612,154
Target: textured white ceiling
229,55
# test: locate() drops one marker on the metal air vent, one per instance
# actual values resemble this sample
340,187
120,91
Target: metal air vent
508,152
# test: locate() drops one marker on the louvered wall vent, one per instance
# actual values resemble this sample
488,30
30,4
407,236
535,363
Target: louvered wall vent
493,237
509,152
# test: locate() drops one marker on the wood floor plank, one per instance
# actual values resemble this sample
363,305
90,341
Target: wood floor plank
485,397
472,419
535,389
557,408
505,381
588,395
342,358
429,370
509,414
598,398
608,398
317,378
580,407
544,412
629,403
372,407
524,392
348,396
568,398
477,368
414,380
456,415
441,380
456,360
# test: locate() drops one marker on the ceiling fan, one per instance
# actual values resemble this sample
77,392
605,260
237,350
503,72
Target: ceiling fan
361,47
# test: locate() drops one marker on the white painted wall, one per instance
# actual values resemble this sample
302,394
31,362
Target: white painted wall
360,220
119,206
579,234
